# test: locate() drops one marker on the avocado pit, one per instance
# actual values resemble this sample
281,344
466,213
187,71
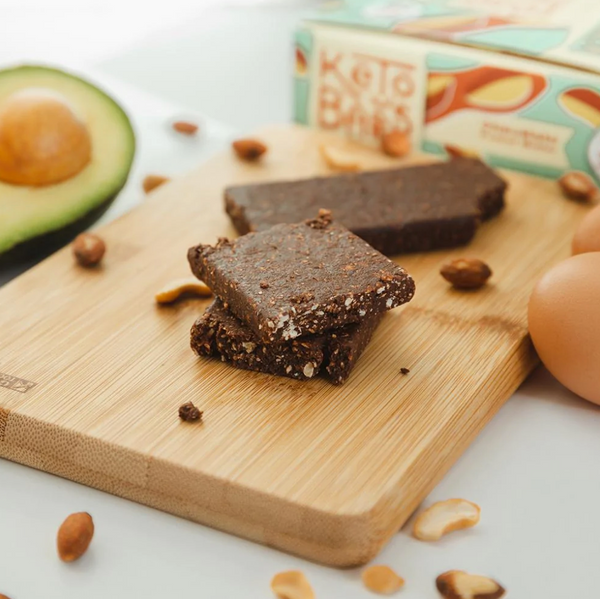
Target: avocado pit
42,140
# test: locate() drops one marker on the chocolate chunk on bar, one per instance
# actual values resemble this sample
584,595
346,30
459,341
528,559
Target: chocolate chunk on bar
300,279
218,333
409,209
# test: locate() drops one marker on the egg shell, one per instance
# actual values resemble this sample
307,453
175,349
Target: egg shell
587,236
564,323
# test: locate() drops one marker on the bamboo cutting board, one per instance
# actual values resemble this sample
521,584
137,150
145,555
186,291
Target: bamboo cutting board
94,373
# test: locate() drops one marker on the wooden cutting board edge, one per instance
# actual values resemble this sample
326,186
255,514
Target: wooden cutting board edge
342,540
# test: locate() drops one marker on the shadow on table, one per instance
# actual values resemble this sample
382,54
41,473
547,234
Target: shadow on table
542,385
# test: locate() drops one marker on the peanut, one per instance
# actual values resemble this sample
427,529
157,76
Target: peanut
577,185
396,144
466,273
74,536
151,182
185,127
249,149
88,249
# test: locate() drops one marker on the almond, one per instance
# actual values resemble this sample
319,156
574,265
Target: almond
457,584
185,127
382,580
577,185
338,160
396,144
292,585
74,536
88,249
466,273
153,181
444,517
249,149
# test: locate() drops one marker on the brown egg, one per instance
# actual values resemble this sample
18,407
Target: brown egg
587,237
564,322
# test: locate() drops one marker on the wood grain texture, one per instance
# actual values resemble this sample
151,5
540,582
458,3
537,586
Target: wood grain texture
326,472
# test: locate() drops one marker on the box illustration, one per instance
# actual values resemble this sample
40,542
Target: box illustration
516,82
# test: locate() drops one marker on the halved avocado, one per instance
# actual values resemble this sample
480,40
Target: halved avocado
66,149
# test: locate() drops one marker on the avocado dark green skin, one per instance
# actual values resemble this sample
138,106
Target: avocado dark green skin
40,247
30,251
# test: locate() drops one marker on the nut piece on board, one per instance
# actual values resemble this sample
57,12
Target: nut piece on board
577,185
74,536
466,273
4,596
188,412
396,144
291,585
88,249
185,127
458,152
175,289
249,149
445,516
456,584
338,160
153,181
382,580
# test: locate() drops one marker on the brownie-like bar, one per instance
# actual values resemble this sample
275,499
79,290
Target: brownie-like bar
409,209
300,279
345,345
220,334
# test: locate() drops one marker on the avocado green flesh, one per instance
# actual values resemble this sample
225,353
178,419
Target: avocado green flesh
29,212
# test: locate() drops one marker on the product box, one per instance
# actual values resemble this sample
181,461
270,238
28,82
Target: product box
514,81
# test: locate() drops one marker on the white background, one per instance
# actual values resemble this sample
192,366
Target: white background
534,470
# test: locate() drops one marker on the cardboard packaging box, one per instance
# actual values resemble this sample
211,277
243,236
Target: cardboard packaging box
514,81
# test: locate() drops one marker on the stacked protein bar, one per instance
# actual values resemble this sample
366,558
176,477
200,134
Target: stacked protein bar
295,300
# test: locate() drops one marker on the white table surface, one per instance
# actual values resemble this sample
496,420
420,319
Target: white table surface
534,470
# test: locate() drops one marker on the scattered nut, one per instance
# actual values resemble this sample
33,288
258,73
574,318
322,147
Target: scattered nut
88,249
249,149
338,160
153,181
404,371
4,596
175,289
185,127
382,580
444,517
458,152
466,273
579,186
396,144
74,536
188,412
292,585
457,584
